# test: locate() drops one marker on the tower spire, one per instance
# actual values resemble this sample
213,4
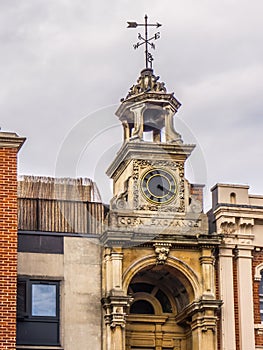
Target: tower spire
145,40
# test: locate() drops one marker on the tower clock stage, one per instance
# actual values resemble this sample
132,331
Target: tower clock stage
150,192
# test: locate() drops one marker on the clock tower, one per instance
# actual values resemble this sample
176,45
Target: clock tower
158,271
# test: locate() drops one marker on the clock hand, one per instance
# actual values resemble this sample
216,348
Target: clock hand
164,189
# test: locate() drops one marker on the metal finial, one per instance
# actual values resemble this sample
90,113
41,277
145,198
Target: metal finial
145,40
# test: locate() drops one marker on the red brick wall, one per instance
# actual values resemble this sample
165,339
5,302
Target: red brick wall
196,191
257,259
8,247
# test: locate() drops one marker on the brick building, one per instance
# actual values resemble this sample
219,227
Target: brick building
151,271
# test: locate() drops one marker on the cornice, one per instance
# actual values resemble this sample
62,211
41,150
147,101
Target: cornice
11,140
225,209
144,150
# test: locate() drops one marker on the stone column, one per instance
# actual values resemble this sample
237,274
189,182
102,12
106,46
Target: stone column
138,121
115,302
170,133
245,297
226,289
204,324
126,130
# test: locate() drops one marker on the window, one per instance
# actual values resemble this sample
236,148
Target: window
261,297
37,312
142,307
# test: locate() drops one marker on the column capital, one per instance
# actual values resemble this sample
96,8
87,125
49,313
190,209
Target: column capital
243,252
226,252
115,307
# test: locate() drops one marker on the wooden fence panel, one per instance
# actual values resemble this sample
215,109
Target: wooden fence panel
49,215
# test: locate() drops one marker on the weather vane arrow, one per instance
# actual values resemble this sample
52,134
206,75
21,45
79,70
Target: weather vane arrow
145,40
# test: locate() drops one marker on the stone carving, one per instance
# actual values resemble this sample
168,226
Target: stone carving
147,82
227,228
115,310
119,202
195,206
162,251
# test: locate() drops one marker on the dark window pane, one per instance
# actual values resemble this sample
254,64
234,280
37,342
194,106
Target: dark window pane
261,285
44,300
261,309
21,298
37,333
142,307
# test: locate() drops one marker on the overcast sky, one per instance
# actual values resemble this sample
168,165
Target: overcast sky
65,64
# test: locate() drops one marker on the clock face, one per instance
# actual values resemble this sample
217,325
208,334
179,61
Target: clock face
158,186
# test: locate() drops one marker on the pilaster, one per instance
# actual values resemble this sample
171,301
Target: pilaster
115,302
245,297
207,263
226,290
203,315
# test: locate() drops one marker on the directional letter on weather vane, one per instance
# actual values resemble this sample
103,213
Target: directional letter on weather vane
145,40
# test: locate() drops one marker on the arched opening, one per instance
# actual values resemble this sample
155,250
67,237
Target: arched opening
160,294
233,199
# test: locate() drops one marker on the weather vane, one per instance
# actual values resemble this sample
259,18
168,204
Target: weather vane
144,40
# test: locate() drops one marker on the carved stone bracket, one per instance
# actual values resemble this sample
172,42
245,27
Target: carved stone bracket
162,251
239,226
